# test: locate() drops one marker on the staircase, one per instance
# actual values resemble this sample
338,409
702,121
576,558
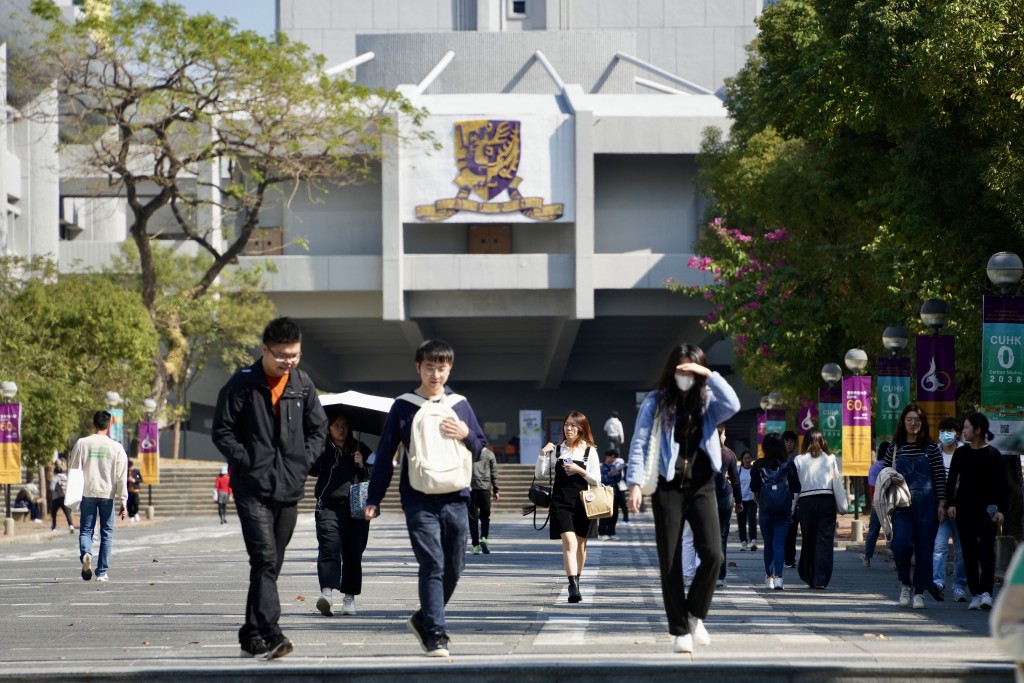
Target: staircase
186,488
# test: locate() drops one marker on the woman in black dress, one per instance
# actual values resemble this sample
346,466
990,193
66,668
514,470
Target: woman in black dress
576,466
340,536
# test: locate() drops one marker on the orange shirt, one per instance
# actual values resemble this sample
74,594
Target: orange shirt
277,385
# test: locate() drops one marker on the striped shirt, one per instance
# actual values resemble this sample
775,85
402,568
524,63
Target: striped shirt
930,451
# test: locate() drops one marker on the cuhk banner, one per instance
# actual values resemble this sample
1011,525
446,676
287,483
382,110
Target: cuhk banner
149,452
530,436
807,418
856,425
893,394
776,421
830,419
10,443
116,429
936,377
1002,370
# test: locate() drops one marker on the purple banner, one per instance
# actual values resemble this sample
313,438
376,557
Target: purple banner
776,421
10,423
806,418
936,368
10,443
762,427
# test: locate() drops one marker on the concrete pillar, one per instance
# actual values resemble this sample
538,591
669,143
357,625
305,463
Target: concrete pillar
150,512
583,308
3,152
392,237
8,526
488,14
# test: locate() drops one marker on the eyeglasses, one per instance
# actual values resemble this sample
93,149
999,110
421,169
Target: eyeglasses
285,359
912,420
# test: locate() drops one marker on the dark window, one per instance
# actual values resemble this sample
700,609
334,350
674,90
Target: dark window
518,6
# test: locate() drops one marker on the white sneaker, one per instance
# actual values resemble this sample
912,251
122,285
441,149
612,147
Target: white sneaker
348,605
918,602
325,603
612,538
959,594
603,537
778,583
745,545
625,522
865,560
986,601
683,644
753,547
697,630
721,584
905,592
687,580
975,602
769,582
102,577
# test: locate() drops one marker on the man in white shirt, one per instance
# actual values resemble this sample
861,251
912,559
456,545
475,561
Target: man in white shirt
104,465
616,435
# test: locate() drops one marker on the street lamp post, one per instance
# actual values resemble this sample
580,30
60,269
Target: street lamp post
8,390
856,407
148,408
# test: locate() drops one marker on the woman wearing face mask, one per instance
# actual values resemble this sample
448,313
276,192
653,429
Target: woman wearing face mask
689,402
949,430
977,482
747,517
916,458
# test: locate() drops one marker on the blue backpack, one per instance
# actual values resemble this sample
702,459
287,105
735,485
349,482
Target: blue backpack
775,498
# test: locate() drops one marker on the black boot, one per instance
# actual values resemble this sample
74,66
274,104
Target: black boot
574,589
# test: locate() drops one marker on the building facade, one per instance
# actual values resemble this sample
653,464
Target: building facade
538,240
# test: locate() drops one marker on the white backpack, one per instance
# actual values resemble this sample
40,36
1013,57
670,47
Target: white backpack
436,465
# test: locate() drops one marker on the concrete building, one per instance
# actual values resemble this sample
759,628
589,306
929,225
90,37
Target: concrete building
538,240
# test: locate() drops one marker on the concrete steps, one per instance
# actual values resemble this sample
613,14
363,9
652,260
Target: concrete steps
186,489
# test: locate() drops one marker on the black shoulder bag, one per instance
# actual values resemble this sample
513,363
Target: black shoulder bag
540,496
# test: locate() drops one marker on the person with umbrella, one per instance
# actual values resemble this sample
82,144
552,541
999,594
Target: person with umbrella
340,536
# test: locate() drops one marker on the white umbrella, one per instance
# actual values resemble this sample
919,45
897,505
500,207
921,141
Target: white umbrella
365,412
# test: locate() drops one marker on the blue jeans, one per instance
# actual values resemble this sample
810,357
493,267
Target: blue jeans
89,508
939,556
773,533
438,527
874,528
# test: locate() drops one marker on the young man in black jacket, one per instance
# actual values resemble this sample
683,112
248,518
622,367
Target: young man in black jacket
270,427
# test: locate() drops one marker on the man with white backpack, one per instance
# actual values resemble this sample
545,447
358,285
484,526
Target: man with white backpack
437,438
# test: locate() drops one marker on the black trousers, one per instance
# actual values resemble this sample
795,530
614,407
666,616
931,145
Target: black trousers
267,528
132,504
978,543
672,507
606,526
58,504
480,525
791,538
747,521
818,519
342,540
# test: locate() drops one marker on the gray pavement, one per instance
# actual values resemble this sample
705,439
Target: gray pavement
172,608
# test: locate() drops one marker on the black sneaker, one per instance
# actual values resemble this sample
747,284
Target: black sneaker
255,647
437,644
415,626
936,592
278,647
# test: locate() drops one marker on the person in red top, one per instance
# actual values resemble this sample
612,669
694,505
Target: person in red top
222,487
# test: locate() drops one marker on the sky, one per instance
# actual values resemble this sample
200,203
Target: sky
254,15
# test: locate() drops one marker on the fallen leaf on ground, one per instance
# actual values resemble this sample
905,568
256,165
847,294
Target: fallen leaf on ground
300,597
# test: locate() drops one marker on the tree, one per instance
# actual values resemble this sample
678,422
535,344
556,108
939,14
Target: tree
875,161
189,116
66,341
223,326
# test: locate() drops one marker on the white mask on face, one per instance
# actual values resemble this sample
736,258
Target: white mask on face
684,382
947,438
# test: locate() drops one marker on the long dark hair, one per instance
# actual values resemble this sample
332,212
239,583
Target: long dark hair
774,448
668,393
579,420
814,442
924,437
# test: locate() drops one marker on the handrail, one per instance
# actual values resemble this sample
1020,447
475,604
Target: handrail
639,80
354,62
435,72
664,74
540,57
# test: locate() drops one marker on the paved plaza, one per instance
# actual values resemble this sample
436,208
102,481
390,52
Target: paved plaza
172,608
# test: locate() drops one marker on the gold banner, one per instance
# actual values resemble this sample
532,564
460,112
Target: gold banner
10,463
149,467
531,207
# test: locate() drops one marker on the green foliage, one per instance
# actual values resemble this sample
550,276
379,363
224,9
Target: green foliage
875,162
66,341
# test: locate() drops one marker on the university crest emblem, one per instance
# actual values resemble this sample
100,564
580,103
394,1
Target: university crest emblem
487,156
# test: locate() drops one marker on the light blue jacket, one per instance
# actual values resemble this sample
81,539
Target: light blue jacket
720,403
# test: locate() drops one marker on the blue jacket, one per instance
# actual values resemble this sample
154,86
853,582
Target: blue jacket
720,403
397,428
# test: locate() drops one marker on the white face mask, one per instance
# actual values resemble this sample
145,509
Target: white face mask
947,438
684,382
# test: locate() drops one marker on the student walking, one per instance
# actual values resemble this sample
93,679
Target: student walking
817,471
104,466
484,487
918,462
613,429
977,497
874,523
746,518
59,485
270,426
576,468
949,441
341,538
437,522
611,475
775,483
683,412
222,487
